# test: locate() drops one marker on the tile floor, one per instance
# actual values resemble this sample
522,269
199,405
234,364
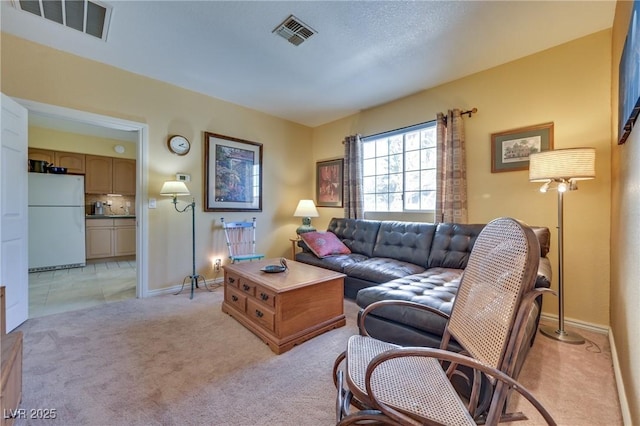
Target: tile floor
52,292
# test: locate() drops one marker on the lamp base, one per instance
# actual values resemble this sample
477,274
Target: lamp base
561,335
194,283
305,228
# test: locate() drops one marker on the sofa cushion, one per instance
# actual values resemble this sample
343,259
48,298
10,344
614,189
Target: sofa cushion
452,245
405,241
324,244
335,263
381,269
435,287
357,234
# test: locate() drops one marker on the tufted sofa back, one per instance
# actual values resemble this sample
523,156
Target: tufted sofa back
442,245
452,245
405,241
357,234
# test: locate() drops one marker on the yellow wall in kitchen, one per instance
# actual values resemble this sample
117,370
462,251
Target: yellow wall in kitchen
57,140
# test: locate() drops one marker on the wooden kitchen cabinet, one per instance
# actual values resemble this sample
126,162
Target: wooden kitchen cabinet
99,238
124,176
74,162
124,237
99,174
108,175
110,238
41,155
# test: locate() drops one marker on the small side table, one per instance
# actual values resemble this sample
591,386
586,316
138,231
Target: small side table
294,242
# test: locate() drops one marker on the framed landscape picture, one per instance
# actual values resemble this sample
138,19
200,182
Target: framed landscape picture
510,149
233,174
329,183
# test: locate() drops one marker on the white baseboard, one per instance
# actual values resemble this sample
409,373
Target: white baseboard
176,288
622,396
598,328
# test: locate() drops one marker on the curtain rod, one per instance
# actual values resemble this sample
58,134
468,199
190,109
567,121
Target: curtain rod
469,112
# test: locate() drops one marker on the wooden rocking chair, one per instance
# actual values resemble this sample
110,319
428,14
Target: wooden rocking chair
396,385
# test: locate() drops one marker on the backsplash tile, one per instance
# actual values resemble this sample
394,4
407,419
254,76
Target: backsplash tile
118,204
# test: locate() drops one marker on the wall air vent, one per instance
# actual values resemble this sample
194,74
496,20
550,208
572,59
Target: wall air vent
90,17
294,30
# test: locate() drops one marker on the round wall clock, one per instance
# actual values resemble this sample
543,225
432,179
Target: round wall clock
179,145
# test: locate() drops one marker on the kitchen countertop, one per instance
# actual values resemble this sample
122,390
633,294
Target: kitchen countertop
110,216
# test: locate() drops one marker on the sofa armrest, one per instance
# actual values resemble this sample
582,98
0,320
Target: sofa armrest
404,303
543,280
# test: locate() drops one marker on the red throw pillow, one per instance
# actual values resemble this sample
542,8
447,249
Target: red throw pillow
324,244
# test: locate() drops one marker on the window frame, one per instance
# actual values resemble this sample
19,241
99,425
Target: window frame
388,175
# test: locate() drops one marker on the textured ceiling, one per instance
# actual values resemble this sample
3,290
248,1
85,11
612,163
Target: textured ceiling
365,53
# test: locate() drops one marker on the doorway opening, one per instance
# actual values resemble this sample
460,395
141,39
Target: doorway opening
100,281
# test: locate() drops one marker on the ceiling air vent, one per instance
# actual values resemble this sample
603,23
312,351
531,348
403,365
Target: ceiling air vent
294,30
90,17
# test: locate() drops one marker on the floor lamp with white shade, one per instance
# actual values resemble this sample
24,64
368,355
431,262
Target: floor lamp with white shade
561,169
176,189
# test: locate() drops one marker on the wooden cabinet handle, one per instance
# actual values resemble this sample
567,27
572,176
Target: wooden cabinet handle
232,280
264,296
259,314
245,287
234,298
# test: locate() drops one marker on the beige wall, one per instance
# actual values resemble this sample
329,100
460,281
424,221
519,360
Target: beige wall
34,72
625,241
569,85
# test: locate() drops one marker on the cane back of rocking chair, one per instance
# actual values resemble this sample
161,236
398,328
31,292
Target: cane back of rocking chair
502,267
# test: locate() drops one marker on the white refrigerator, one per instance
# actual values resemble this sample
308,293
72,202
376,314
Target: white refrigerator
56,221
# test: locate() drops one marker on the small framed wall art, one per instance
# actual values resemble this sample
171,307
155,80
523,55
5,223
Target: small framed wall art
233,174
329,183
510,149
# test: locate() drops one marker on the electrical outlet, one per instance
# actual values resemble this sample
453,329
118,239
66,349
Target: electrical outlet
108,202
217,265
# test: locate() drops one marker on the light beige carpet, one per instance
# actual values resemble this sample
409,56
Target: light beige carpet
168,360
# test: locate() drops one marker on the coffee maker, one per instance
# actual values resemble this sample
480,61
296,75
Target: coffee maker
98,208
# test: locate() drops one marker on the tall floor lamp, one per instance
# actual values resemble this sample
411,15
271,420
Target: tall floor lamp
176,189
560,169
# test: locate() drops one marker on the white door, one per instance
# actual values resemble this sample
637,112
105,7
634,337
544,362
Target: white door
13,211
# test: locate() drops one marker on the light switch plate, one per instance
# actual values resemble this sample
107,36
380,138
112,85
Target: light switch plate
183,177
152,203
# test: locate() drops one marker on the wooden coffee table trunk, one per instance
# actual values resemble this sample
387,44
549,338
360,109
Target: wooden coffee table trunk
287,308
